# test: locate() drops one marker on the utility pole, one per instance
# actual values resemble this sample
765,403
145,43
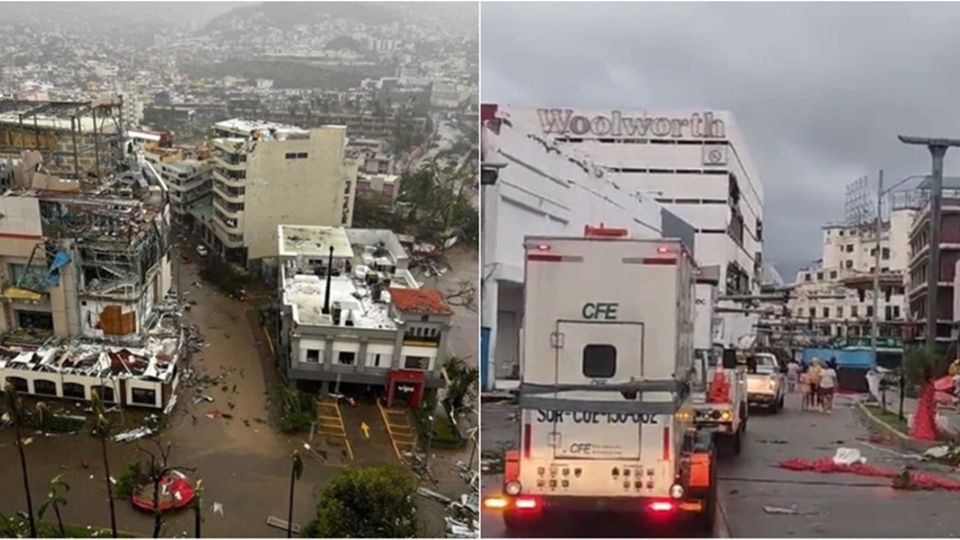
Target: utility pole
876,271
937,148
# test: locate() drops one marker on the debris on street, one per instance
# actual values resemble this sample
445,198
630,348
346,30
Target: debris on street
792,511
281,524
133,434
429,493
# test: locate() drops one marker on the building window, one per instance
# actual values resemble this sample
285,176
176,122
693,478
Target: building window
74,390
143,396
826,313
848,264
19,384
886,253
374,359
896,312
416,362
833,274
869,311
296,155
347,358
813,312
44,388
106,394
819,276
313,356
839,312
854,311
849,248
887,313
806,277
35,320
599,361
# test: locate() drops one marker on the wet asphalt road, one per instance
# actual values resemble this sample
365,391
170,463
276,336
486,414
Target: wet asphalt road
826,505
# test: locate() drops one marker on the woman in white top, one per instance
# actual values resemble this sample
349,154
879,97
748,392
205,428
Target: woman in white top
828,385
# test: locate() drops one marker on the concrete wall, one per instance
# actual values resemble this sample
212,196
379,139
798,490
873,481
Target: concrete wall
303,191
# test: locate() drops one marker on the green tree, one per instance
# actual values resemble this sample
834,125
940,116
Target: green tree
101,429
463,380
366,502
55,500
15,408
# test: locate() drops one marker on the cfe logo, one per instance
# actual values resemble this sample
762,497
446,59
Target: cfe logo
600,311
580,448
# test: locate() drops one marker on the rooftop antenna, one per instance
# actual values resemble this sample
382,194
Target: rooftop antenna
326,294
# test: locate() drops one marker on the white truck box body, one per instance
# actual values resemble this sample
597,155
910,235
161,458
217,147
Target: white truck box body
602,311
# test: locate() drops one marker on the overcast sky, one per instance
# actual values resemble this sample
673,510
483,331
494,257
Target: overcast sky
819,91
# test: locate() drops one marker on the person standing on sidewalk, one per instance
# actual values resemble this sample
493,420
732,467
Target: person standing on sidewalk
806,398
828,386
813,379
793,374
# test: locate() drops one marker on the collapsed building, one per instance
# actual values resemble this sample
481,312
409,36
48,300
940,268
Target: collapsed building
85,274
77,139
352,313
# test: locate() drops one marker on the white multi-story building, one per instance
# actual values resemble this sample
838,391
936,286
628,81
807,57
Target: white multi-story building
267,174
695,163
543,188
834,295
187,180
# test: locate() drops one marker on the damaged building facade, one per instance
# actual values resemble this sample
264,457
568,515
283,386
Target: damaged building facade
267,174
77,139
85,275
352,313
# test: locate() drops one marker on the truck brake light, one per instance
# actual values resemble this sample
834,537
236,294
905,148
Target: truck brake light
543,247
495,502
661,506
526,503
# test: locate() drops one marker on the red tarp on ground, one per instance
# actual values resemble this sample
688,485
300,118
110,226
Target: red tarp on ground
175,492
827,465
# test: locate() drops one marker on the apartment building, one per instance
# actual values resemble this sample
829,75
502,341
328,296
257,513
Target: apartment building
187,176
267,174
353,314
833,297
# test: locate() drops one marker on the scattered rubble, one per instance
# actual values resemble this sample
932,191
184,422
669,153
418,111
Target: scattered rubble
133,434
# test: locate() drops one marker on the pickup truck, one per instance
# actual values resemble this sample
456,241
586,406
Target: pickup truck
766,384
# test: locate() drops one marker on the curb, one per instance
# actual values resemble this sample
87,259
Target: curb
901,440
723,524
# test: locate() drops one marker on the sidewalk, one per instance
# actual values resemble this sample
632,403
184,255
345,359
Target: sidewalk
950,413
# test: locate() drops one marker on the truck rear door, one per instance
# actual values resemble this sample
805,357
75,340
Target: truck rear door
598,353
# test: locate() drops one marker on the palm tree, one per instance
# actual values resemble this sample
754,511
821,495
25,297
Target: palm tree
15,406
55,500
101,430
197,507
295,473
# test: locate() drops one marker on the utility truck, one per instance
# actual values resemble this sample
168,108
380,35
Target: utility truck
720,390
606,419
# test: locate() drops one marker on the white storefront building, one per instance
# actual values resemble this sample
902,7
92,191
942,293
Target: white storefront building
544,188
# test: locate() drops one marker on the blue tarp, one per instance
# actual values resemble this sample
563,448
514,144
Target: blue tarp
852,357
59,261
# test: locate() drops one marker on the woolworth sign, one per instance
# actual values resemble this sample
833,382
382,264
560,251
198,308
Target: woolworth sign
570,122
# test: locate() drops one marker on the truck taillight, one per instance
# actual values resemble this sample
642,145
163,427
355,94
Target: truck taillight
543,247
526,503
666,249
661,506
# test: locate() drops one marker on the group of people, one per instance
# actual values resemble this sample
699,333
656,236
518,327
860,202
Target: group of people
817,382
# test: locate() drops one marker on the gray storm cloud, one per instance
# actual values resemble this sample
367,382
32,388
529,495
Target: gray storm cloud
820,91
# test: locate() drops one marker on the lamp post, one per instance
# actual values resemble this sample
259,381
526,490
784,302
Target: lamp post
938,148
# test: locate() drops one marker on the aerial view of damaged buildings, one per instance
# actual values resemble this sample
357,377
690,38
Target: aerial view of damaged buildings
94,201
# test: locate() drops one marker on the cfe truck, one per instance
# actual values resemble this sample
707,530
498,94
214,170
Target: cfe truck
606,419
720,390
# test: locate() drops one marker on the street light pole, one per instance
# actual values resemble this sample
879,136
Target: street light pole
938,148
876,270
